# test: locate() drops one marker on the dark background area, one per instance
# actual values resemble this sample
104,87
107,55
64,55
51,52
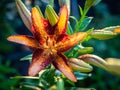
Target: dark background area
107,13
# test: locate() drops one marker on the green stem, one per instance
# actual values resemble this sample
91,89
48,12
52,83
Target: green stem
60,83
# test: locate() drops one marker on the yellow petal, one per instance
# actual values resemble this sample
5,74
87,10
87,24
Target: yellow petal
62,22
39,25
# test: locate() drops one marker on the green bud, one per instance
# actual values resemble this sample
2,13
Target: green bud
51,15
103,34
94,60
79,65
24,13
113,65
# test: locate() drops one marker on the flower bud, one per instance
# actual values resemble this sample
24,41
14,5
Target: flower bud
103,34
51,15
24,13
79,65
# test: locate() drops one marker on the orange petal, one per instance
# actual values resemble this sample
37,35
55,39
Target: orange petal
70,41
39,25
41,58
60,64
25,40
62,22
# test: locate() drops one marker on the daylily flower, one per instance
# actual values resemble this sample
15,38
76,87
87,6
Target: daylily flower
49,42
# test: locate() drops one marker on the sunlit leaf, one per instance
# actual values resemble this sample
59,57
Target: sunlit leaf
88,4
31,87
24,77
28,57
81,26
81,76
81,10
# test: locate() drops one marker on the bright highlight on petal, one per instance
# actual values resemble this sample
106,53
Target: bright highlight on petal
25,40
62,22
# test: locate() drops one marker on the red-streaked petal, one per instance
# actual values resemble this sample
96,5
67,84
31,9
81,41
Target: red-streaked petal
25,40
60,64
62,38
39,26
62,22
71,41
41,58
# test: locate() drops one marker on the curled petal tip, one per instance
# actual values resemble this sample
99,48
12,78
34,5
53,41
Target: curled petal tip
24,13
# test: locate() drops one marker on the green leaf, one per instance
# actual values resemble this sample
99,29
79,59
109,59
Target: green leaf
24,77
28,57
69,29
81,76
74,18
88,4
79,88
82,25
81,10
47,77
97,2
